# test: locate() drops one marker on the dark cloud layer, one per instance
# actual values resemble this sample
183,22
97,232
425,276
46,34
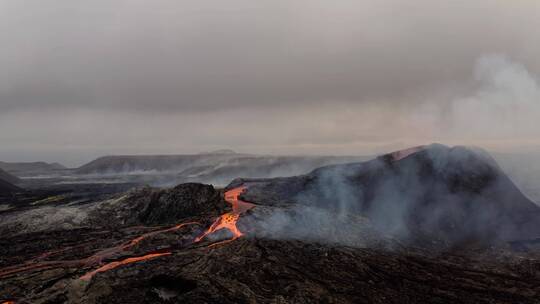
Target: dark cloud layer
155,63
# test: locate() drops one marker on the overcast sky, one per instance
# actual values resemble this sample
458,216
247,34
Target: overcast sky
79,79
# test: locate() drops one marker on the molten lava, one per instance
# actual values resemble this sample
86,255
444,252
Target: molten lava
230,219
94,259
116,264
226,221
98,257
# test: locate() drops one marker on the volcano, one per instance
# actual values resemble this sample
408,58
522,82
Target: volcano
454,194
367,232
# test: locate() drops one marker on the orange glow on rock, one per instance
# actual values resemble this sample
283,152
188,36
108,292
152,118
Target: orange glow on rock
117,264
229,220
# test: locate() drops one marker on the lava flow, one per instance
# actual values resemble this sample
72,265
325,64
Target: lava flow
107,253
94,259
116,264
229,220
225,221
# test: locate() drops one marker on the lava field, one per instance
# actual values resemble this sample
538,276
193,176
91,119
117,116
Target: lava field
428,225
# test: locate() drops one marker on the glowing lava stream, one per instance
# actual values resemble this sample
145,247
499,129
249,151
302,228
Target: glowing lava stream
116,264
101,255
98,257
229,220
94,259
225,221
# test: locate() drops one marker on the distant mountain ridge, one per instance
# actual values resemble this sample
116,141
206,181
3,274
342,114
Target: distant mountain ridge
133,163
220,165
30,168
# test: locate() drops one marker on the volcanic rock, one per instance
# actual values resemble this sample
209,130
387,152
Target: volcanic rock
267,271
141,206
170,206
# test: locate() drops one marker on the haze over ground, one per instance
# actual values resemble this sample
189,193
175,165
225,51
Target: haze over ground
84,79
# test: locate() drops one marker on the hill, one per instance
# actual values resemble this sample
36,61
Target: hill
9,177
30,168
7,188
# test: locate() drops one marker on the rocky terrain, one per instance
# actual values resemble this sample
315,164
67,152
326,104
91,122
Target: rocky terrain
426,225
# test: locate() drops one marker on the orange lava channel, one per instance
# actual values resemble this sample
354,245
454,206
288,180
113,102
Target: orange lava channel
116,264
229,220
94,259
107,253
226,221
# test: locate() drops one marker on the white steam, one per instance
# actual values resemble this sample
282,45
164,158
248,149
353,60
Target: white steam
506,105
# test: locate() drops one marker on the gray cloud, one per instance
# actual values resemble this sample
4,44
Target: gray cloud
126,75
